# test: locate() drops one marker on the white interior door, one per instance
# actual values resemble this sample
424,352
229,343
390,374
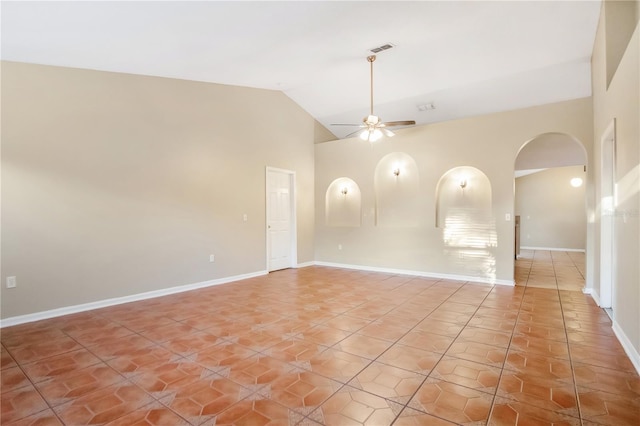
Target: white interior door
281,229
607,219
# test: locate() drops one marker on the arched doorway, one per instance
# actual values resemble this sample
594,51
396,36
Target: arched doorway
550,205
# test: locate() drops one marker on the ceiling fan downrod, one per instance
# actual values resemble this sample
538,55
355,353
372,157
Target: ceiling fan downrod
371,59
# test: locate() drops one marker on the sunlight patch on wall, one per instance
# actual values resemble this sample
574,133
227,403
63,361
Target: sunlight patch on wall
463,212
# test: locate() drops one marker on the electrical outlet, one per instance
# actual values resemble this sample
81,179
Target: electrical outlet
339,246
212,258
11,282
245,217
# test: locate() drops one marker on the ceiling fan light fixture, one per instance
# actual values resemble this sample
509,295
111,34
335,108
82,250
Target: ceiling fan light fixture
371,134
372,120
373,127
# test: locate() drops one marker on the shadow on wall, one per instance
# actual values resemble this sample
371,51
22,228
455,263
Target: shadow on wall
463,213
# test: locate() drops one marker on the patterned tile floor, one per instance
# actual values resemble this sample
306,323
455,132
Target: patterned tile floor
329,346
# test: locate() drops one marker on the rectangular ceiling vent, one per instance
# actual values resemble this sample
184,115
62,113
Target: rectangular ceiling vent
381,48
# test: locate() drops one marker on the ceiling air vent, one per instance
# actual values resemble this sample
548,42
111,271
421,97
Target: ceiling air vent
426,107
381,48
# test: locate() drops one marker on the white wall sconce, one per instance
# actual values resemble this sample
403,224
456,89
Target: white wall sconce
396,171
463,183
344,190
576,182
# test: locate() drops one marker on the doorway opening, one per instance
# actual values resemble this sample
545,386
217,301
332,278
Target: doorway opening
550,203
281,219
607,219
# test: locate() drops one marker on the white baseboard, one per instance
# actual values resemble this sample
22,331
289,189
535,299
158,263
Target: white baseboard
553,249
305,264
632,352
485,280
21,319
591,292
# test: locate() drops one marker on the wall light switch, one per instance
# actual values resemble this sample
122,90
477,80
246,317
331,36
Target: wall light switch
11,282
507,217
339,246
212,258
245,217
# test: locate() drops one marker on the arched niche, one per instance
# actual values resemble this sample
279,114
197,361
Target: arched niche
396,183
463,212
343,203
463,208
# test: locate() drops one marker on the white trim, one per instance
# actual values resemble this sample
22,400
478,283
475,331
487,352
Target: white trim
36,316
553,249
484,280
305,264
594,294
632,353
606,199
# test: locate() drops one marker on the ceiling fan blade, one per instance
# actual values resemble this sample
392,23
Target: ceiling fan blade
399,123
354,133
387,132
352,125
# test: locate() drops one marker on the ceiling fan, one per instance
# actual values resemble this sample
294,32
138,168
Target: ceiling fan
373,127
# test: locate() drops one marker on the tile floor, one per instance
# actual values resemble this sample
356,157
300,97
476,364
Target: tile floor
330,346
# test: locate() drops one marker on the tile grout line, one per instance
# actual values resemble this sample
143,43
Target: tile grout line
343,385
376,358
515,324
406,405
36,389
394,343
528,298
564,326
125,378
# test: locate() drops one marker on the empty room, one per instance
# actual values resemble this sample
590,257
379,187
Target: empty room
320,213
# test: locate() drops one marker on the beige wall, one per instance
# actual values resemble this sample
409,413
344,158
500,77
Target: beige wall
620,101
620,18
117,184
552,212
489,143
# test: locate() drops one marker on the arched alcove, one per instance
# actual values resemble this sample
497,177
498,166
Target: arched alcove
343,203
463,203
462,189
464,213
396,183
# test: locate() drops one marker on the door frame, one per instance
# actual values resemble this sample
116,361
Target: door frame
607,217
293,243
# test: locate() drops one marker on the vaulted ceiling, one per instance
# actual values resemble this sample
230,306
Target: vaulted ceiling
465,58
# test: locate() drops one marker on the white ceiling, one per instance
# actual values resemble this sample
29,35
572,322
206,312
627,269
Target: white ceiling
467,58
